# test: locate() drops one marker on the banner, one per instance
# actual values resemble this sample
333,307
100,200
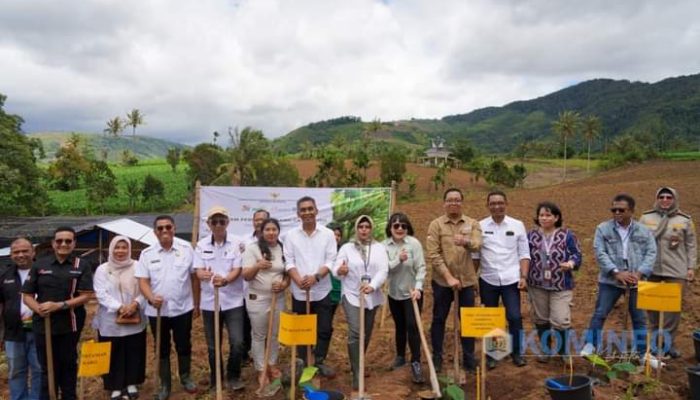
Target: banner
338,205
659,296
94,358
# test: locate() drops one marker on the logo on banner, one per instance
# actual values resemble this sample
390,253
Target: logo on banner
498,344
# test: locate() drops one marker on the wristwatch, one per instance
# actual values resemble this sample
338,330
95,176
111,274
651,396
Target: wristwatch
318,277
64,306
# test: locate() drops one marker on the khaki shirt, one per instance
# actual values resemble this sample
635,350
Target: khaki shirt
443,255
676,247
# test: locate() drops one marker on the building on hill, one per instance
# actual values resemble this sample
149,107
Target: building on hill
437,154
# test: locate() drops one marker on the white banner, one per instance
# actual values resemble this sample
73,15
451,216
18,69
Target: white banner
338,205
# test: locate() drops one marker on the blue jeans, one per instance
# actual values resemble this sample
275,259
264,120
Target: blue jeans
21,355
607,297
233,320
442,299
510,295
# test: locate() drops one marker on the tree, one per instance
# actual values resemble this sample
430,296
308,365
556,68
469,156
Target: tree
133,191
152,189
100,184
372,128
462,150
134,119
115,126
392,167
21,190
331,168
173,157
247,146
440,177
566,127
204,161
128,158
69,165
361,161
500,174
591,131
519,174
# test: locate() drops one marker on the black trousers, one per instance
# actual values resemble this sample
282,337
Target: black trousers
181,328
324,325
127,364
65,364
405,323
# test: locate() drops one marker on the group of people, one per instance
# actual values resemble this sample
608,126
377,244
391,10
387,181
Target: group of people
247,277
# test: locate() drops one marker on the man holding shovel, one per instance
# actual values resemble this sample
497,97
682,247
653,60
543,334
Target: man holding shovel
217,263
62,284
310,251
165,279
452,238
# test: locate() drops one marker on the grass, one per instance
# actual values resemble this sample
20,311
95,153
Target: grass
537,164
175,183
682,155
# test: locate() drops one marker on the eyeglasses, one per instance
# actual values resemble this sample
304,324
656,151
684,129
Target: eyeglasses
218,221
616,210
665,197
161,228
399,225
67,242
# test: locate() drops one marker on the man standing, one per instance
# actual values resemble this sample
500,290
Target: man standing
310,251
217,264
625,252
58,286
258,217
677,253
504,260
165,279
452,238
17,317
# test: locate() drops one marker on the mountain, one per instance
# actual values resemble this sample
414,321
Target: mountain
669,110
143,147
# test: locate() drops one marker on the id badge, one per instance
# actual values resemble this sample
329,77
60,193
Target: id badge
366,279
547,275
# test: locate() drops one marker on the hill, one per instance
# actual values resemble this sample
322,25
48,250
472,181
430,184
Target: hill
668,110
143,147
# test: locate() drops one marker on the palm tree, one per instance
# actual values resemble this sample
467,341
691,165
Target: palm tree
372,129
566,127
591,131
134,119
115,126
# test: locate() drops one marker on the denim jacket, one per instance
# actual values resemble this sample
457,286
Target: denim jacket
641,251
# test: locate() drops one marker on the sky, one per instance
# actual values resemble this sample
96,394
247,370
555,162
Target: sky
195,67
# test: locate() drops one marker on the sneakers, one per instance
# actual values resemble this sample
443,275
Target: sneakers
399,362
519,361
437,363
587,350
189,385
236,384
416,372
116,395
132,392
325,371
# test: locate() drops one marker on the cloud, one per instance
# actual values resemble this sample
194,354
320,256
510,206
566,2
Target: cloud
196,67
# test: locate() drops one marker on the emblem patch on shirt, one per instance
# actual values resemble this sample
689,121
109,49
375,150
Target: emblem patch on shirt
510,233
208,252
155,261
8,281
488,232
74,272
45,272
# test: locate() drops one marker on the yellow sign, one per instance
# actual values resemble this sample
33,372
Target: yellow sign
659,296
94,358
479,321
297,330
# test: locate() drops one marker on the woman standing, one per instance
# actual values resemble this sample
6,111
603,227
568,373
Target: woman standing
362,266
120,320
406,275
263,269
554,253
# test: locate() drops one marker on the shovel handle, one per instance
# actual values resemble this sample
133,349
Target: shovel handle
361,388
49,357
217,344
270,323
156,367
435,385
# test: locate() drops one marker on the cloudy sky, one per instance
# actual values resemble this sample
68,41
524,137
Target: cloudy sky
193,67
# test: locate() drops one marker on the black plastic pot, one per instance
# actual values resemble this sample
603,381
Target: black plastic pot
694,381
696,342
559,388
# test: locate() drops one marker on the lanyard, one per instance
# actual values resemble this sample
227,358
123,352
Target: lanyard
547,244
366,257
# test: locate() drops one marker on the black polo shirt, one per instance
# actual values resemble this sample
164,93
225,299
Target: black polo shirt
52,280
11,300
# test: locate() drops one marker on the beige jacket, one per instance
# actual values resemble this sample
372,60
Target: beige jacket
443,255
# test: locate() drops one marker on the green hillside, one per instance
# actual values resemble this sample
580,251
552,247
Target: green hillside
668,110
142,147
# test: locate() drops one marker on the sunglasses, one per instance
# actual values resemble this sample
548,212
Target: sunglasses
161,228
399,225
63,241
218,221
615,210
665,197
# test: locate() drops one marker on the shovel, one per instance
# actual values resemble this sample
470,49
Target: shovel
361,386
458,377
156,367
49,357
217,344
434,384
310,370
270,388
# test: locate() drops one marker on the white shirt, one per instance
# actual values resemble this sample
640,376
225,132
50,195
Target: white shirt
24,311
110,300
377,267
221,259
170,274
624,232
504,245
308,253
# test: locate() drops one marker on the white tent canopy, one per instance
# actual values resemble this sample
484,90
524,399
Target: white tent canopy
133,230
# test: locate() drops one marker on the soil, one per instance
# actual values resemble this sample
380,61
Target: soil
584,204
